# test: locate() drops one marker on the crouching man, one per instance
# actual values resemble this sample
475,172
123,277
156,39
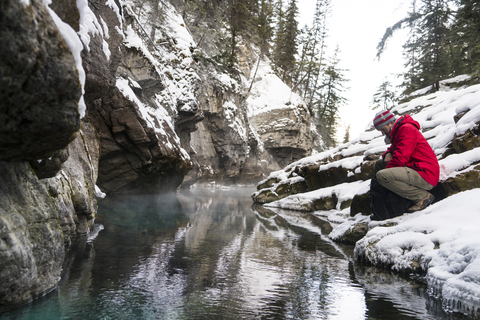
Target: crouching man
409,167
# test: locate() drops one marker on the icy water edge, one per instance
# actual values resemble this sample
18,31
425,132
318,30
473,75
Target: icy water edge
211,254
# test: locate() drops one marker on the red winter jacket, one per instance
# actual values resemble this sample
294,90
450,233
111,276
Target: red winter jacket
410,149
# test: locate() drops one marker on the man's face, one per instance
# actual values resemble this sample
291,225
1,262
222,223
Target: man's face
385,130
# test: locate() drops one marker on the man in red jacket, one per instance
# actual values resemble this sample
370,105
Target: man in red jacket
409,167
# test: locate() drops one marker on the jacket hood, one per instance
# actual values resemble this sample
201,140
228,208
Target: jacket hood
406,119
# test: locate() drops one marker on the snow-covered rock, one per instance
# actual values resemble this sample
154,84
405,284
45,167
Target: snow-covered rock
132,102
279,116
441,241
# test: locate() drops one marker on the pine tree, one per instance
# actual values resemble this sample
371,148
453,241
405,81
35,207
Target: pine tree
285,41
239,19
385,97
280,36
316,56
435,54
346,137
313,46
304,42
326,108
466,36
290,44
411,52
431,47
264,24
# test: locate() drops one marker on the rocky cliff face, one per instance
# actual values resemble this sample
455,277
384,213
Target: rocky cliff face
41,205
162,107
40,217
140,150
249,128
279,117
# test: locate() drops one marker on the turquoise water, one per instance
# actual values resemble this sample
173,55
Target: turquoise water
208,254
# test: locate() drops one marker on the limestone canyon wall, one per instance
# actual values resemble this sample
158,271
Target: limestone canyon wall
142,110
41,205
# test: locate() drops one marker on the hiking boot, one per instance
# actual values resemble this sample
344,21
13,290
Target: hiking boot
422,204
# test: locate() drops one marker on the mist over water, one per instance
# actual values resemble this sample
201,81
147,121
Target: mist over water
211,254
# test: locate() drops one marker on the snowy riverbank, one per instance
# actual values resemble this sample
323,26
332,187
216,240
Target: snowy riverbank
441,241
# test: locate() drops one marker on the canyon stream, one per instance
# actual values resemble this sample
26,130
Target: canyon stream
210,253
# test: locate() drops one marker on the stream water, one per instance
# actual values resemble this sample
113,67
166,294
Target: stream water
209,254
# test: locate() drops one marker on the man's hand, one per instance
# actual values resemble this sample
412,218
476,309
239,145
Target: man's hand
388,157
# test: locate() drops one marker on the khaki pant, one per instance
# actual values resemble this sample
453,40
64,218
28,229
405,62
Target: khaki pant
404,181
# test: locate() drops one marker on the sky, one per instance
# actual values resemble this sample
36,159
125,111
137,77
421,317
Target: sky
357,27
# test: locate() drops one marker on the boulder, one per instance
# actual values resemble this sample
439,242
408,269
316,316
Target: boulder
327,203
463,142
285,133
281,190
360,204
316,179
461,182
39,85
366,169
353,233
468,140
268,183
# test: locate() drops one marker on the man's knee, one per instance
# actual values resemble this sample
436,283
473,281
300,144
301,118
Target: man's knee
392,176
383,176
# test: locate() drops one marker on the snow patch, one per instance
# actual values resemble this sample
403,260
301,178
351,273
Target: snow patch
76,47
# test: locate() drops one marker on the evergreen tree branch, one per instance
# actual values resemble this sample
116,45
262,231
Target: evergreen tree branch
390,30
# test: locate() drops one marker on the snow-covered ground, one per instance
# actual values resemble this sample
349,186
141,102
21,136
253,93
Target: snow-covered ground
443,239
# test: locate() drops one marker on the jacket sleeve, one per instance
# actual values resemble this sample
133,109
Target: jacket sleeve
387,151
405,143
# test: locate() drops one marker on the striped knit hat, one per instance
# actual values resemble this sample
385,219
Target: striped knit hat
383,118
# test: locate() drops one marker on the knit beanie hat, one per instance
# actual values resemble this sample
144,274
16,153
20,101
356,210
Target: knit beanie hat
383,118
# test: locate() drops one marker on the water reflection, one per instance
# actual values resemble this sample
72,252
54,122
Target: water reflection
208,254
385,295
392,296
